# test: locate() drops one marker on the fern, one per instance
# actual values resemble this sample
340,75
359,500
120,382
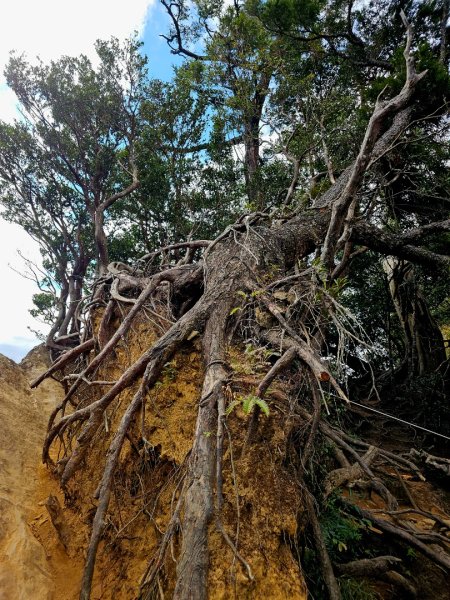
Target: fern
248,403
264,407
232,406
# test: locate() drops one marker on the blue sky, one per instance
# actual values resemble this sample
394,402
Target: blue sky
160,59
50,29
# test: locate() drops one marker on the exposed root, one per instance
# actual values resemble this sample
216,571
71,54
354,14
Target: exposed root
368,567
440,558
156,280
235,551
347,475
192,567
65,359
104,491
327,567
104,330
158,355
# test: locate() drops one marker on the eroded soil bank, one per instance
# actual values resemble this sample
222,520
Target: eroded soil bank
24,485
44,536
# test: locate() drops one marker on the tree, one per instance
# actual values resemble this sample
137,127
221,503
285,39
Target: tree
233,72
85,122
275,285
52,214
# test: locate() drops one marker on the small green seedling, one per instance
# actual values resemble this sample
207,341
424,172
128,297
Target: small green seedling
248,403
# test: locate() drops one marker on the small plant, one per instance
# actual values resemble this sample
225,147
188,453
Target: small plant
169,372
244,297
248,403
411,553
341,533
352,589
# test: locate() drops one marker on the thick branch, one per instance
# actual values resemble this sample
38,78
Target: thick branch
381,112
177,36
390,244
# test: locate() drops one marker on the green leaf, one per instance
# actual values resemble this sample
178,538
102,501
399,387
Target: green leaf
232,406
263,406
248,403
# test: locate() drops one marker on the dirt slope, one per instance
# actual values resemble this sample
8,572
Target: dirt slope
24,572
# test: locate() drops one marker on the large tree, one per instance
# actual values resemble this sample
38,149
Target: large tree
84,119
269,299
52,213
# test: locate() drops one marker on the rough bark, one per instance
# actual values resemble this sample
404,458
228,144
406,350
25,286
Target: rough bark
424,343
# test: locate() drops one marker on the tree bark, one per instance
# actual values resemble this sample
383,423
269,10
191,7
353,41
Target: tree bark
100,242
424,343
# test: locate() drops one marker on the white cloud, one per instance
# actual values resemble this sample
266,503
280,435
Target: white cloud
15,299
52,28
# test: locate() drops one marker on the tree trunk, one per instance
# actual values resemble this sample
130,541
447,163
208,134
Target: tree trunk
424,343
251,164
100,242
60,319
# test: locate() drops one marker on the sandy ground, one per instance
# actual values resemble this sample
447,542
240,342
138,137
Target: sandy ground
24,572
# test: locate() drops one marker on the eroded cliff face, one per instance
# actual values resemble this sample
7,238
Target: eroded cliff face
150,476
25,571
44,535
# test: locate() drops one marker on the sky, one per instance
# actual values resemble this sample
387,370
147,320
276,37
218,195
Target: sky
50,29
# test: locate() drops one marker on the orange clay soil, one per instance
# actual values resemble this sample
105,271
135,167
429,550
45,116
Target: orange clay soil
44,534
261,503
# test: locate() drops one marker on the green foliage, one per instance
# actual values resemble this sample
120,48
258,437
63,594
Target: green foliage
65,157
346,539
168,375
341,533
45,304
248,404
352,589
277,81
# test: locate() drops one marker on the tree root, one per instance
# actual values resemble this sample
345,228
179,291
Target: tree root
368,567
378,568
63,360
327,567
192,567
104,330
439,558
168,275
347,475
159,354
235,551
106,484
156,357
